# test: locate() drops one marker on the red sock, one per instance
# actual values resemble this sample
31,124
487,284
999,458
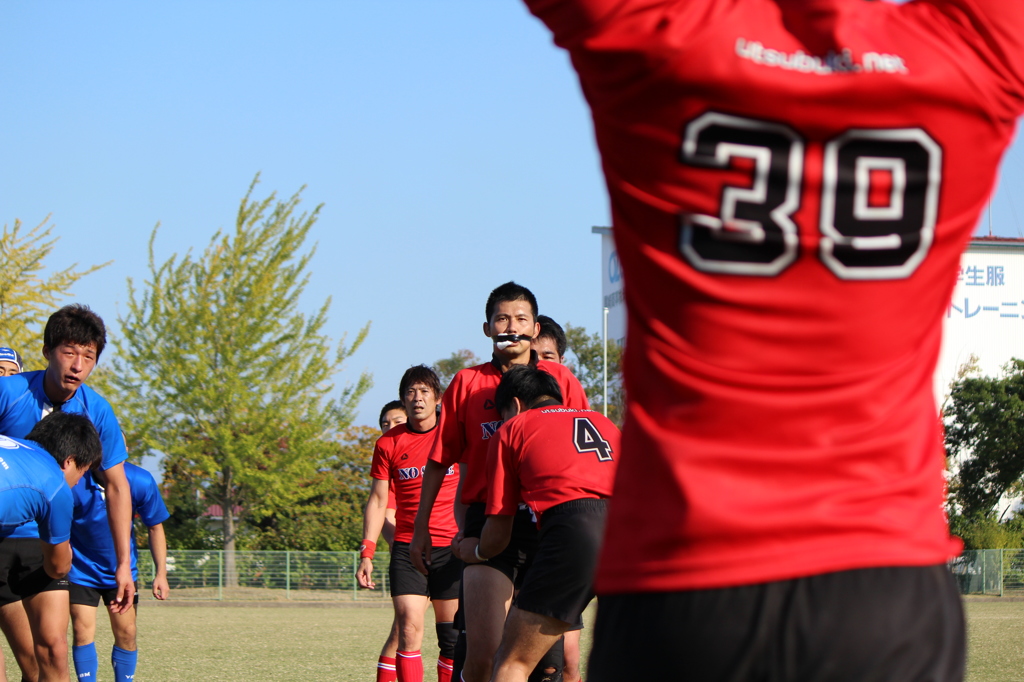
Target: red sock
409,666
444,669
386,670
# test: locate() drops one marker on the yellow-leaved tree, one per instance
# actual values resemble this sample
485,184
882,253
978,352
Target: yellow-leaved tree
29,293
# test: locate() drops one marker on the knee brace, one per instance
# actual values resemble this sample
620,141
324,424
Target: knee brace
549,669
447,635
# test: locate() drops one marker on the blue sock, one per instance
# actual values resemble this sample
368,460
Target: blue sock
86,663
124,664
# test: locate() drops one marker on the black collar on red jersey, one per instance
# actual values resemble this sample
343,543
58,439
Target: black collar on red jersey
409,428
550,402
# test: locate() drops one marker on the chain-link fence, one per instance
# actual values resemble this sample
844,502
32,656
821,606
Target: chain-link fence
266,576
331,576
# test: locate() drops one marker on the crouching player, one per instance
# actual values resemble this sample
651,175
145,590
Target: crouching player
93,570
36,475
561,463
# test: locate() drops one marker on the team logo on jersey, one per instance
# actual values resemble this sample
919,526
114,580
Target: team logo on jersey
491,428
410,473
405,456
489,404
842,61
8,444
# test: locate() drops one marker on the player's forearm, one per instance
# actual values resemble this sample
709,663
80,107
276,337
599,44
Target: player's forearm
496,533
376,510
459,509
388,531
119,513
433,477
158,549
57,559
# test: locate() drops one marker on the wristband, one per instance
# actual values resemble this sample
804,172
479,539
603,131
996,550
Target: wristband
367,549
476,553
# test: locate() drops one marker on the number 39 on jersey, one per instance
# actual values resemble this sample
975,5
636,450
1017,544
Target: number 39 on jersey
754,233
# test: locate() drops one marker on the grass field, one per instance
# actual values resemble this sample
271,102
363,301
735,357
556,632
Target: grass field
341,643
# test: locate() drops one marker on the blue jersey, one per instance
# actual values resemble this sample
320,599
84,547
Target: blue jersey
95,562
23,403
35,500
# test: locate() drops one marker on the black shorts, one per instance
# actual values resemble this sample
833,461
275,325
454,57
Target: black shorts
560,580
21,570
897,624
91,596
442,582
513,559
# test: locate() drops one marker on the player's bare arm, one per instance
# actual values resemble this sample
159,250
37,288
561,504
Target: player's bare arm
373,522
158,549
57,559
388,531
119,514
419,548
493,539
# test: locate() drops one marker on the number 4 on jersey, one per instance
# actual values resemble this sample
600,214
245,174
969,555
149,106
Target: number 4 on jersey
588,439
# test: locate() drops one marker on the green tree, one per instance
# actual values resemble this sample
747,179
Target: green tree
225,376
986,532
27,295
985,439
448,367
328,516
585,358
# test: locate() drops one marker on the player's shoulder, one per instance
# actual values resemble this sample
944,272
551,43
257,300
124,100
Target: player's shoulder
95,404
555,369
17,384
390,439
31,460
559,371
483,371
138,476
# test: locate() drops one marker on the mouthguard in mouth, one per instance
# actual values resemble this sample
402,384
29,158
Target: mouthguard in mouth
503,341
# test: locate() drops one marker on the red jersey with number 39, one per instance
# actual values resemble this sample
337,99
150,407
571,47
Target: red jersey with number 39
792,183
550,455
469,420
399,457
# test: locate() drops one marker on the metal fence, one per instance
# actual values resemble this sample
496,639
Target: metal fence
331,576
266,576
990,571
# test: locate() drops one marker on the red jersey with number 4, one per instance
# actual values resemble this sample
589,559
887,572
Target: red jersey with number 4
792,183
469,419
399,457
550,455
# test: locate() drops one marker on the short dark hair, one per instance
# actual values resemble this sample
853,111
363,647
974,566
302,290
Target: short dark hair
392,405
510,291
529,384
553,331
419,374
65,435
76,324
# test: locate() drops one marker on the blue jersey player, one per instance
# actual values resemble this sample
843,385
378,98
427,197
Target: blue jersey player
73,339
36,508
93,568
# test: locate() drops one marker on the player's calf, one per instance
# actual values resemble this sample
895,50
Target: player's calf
447,638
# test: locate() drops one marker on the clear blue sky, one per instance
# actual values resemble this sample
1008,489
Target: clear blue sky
448,141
